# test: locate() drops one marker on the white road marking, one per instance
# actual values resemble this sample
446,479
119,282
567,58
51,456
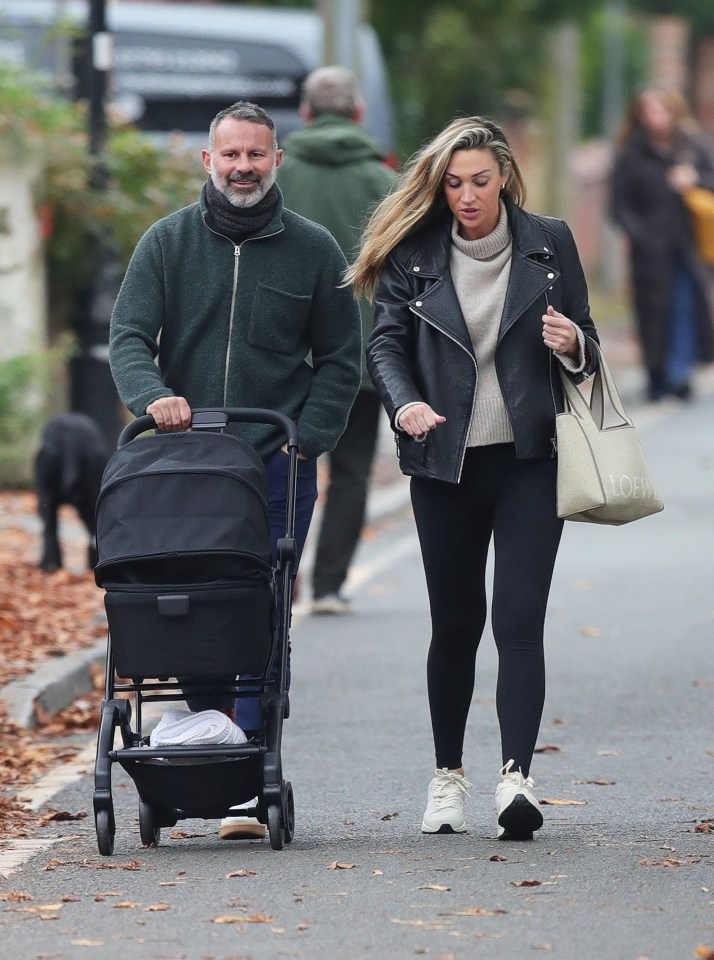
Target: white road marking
58,778
15,853
362,573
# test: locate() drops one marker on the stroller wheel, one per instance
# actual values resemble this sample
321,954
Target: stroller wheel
148,830
103,822
289,812
275,826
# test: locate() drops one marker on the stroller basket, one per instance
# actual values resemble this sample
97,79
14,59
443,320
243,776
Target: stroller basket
184,556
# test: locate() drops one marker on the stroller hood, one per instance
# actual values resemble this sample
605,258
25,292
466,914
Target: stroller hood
195,497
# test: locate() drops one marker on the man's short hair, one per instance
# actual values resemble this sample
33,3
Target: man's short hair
331,90
243,110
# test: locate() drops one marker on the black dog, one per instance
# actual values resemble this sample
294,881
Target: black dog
68,470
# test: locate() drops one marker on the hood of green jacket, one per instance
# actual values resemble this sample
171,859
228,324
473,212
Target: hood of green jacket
333,141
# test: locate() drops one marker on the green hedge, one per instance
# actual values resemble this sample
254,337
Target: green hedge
146,181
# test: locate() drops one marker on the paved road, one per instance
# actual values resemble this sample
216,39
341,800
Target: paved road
617,873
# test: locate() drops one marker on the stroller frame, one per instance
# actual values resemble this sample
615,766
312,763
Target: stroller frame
231,774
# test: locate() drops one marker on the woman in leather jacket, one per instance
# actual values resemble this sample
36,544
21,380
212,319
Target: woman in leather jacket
476,302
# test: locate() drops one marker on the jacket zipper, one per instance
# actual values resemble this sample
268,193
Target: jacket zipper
473,399
236,263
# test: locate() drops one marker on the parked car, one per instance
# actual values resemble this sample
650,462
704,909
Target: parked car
177,65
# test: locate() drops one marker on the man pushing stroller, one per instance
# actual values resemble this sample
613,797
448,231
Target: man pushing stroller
236,301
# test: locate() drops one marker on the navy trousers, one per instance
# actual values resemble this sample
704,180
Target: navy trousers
247,709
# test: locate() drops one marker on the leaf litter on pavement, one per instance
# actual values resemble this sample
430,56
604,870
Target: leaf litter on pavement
41,616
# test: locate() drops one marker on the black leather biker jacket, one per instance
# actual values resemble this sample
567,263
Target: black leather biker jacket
420,348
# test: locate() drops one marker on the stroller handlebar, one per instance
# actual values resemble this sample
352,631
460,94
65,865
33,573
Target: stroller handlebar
216,418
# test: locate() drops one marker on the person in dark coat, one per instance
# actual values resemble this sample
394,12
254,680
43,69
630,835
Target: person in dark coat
334,172
660,155
477,301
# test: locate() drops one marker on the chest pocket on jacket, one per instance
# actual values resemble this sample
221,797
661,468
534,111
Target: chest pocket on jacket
278,319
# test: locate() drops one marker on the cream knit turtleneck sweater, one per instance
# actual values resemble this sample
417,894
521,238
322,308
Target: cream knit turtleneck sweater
480,270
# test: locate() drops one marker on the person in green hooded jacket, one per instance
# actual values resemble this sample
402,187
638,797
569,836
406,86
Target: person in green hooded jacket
334,172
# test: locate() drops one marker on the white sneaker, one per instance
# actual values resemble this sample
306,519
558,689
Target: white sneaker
445,803
239,827
331,603
517,807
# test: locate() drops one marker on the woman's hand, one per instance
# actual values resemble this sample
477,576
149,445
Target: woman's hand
418,419
682,176
559,333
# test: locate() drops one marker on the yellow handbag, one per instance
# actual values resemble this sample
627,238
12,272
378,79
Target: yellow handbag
700,203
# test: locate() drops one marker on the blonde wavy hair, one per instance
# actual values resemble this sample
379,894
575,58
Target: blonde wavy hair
419,194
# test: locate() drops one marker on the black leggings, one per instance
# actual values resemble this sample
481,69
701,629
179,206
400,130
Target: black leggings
513,500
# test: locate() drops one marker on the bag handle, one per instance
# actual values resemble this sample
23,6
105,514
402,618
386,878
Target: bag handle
596,408
575,398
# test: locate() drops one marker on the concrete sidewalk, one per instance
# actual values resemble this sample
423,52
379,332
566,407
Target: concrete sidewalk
56,683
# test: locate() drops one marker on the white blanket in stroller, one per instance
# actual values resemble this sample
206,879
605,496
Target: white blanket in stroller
184,728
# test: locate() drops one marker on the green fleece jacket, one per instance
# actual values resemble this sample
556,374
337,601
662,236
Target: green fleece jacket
264,323
333,172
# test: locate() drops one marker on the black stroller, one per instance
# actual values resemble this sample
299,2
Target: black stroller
193,602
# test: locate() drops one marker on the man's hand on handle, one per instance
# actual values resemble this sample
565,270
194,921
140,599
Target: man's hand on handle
170,413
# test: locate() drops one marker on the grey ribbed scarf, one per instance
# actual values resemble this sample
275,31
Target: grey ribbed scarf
237,223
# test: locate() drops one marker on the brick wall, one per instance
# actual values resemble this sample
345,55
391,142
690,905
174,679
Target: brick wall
703,84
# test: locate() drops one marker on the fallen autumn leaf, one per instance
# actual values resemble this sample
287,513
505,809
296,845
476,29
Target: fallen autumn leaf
60,815
236,918
598,783
562,802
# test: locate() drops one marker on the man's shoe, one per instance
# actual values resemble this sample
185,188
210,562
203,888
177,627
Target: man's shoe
683,391
517,808
331,603
445,803
239,827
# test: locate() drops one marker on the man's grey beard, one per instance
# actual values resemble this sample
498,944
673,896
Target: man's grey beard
242,199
